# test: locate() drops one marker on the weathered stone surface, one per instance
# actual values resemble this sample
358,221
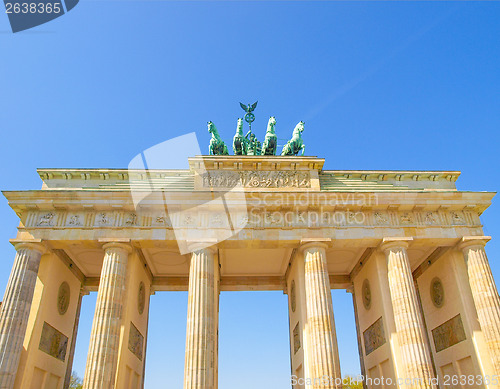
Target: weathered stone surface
322,339
374,336
135,341
484,293
100,372
200,369
449,333
411,338
15,310
53,342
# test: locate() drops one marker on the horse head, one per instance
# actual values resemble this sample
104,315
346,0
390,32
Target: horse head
270,124
239,127
211,128
299,128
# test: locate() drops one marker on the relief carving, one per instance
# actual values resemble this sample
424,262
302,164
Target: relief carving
131,220
257,179
437,292
293,296
135,341
380,218
53,342
141,298
46,220
366,293
374,336
63,298
75,220
296,338
103,219
406,218
449,333
430,218
457,219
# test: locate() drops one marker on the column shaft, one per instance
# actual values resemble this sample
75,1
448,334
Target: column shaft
485,296
102,359
322,353
200,371
414,350
15,310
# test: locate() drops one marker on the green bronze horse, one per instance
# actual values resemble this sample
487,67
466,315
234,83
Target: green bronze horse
295,145
217,145
271,140
239,141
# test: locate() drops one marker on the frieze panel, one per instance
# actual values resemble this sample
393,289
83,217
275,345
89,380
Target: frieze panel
256,218
296,338
449,333
256,179
53,342
374,336
135,341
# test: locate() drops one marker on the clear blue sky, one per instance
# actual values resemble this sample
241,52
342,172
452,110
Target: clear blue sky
380,85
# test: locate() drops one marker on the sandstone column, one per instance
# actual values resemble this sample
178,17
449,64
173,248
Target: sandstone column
322,354
484,293
415,354
100,372
15,309
200,369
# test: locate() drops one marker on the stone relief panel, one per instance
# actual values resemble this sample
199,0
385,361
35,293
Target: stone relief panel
366,294
449,333
46,220
437,292
374,336
256,218
296,338
63,298
256,179
293,296
457,218
104,219
53,342
141,298
75,220
135,341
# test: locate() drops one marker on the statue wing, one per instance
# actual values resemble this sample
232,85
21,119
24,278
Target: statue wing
254,105
244,107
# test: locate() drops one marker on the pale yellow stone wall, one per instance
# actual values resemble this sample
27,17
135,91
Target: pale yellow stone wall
383,361
38,370
466,357
130,367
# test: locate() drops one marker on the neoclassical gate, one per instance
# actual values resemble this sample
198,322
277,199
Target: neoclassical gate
407,245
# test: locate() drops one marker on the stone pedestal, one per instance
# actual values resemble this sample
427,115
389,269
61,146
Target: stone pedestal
15,309
484,293
200,370
100,372
416,359
322,351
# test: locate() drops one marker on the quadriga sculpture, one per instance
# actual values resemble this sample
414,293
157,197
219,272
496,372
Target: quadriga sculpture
295,145
271,140
217,145
239,141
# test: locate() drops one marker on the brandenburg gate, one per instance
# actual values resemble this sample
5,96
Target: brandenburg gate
407,245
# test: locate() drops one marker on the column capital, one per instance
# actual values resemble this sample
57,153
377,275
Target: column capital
469,241
198,245
31,244
117,245
396,241
307,243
